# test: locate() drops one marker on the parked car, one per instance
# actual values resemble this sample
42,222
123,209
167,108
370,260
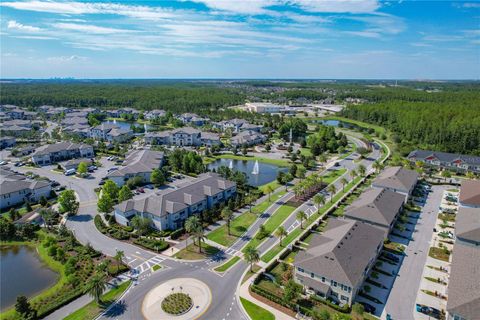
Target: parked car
112,169
391,256
59,188
429,311
3,163
92,168
70,172
102,182
149,186
55,184
141,190
368,307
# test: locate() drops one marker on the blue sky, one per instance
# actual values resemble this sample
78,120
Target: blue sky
241,39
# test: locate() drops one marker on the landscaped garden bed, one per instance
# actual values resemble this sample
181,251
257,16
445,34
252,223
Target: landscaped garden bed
177,303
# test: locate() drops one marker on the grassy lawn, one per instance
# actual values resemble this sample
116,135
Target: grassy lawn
237,227
224,267
439,253
156,267
255,312
191,252
92,310
277,162
261,207
274,184
306,152
332,176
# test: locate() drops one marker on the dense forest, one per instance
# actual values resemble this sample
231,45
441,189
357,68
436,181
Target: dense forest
448,120
144,95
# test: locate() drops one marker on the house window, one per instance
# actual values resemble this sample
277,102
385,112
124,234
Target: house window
344,298
300,270
323,279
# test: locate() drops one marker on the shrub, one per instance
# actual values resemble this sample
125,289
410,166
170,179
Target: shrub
100,225
152,244
177,233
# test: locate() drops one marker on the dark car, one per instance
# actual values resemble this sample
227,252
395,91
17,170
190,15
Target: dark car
336,164
391,256
55,184
368,307
101,183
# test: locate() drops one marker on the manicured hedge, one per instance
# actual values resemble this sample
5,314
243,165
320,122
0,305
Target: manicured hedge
152,244
177,233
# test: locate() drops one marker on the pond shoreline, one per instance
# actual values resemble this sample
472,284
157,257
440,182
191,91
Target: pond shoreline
44,259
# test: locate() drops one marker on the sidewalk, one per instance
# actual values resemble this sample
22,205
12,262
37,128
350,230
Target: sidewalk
83,300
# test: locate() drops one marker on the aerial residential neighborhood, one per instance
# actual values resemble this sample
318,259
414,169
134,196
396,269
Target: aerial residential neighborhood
239,160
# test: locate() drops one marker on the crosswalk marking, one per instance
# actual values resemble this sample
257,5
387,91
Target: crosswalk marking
146,265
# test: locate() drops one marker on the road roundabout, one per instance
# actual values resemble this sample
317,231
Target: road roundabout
179,299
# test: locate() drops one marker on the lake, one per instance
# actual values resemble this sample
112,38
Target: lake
125,124
337,123
22,273
267,172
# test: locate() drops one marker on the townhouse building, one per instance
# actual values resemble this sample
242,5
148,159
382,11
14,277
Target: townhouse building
16,189
377,206
183,137
444,160
337,262
169,209
61,151
397,179
139,163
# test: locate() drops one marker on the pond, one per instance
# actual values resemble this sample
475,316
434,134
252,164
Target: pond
22,273
266,172
337,123
125,124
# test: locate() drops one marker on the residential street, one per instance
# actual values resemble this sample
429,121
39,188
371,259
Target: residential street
402,298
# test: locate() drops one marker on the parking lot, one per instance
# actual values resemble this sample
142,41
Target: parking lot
393,286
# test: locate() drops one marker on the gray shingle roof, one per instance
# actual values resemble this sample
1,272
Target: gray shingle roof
171,201
397,178
342,252
467,224
376,205
444,156
9,186
139,161
464,282
470,192
57,147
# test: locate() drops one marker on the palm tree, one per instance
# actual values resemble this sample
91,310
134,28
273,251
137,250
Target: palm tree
377,166
96,286
353,173
280,233
332,189
344,182
301,215
198,234
48,217
119,255
268,190
362,170
227,214
319,199
192,224
251,256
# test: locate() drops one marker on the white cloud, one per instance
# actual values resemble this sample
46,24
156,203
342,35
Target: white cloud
338,6
67,58
365,34
14,25
88,28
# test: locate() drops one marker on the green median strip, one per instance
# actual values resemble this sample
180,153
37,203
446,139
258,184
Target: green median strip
241,224
224,267
270,254
256,312
92,310
272,224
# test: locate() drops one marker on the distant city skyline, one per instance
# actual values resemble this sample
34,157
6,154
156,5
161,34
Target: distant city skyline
266,39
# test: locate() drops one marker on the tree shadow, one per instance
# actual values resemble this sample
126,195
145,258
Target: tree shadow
117,310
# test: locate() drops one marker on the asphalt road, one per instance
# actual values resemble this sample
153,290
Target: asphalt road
403,296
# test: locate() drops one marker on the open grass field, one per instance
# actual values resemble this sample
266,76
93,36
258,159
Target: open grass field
192,253
237,227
